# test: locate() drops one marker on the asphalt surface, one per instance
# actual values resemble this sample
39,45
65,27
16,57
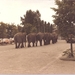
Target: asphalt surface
35,60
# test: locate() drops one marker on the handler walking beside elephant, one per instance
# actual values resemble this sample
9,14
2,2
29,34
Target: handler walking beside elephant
19,39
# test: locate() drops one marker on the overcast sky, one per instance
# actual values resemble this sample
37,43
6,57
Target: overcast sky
12,10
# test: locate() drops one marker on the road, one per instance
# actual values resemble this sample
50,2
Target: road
35,60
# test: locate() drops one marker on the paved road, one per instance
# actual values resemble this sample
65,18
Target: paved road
37,60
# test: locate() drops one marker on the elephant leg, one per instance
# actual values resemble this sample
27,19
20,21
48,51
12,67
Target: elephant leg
18,45
53,41
48,41
25,43
40,42
44,42
29,45
22,45
33,44
36,43
56,40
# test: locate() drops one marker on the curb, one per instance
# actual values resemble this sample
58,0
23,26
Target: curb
67,56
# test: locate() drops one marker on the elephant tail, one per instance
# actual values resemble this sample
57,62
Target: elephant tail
25,43
25,40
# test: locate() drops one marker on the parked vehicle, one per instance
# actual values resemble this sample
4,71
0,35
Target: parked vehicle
6,41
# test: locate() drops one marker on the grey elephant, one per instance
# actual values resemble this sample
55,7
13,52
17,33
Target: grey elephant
20,39
47,38
40,38
31,38
54,37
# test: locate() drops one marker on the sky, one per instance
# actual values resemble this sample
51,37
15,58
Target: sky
12,10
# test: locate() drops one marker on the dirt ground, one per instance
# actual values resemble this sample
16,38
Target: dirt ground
35,60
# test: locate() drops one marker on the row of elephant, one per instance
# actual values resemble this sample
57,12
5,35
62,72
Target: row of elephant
21,38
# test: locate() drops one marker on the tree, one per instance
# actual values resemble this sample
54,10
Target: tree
27,28
42,25
19,28
32,18
3,30
65,16
11,30
14,30
49,27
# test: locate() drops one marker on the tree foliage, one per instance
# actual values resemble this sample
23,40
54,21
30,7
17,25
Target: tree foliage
65,16
32,22
11,30
2,30
7,30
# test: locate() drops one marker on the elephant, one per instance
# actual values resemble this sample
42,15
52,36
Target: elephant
31,38
39,37
47,38
54,37
19,39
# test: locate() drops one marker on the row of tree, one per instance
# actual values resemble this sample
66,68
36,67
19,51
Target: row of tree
32,22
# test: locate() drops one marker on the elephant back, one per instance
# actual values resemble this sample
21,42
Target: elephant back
51,36
40,36
46,35
19,37
54,34
54,37
47,38
31,37
24,37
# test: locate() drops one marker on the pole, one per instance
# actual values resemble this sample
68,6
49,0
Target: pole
71,47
